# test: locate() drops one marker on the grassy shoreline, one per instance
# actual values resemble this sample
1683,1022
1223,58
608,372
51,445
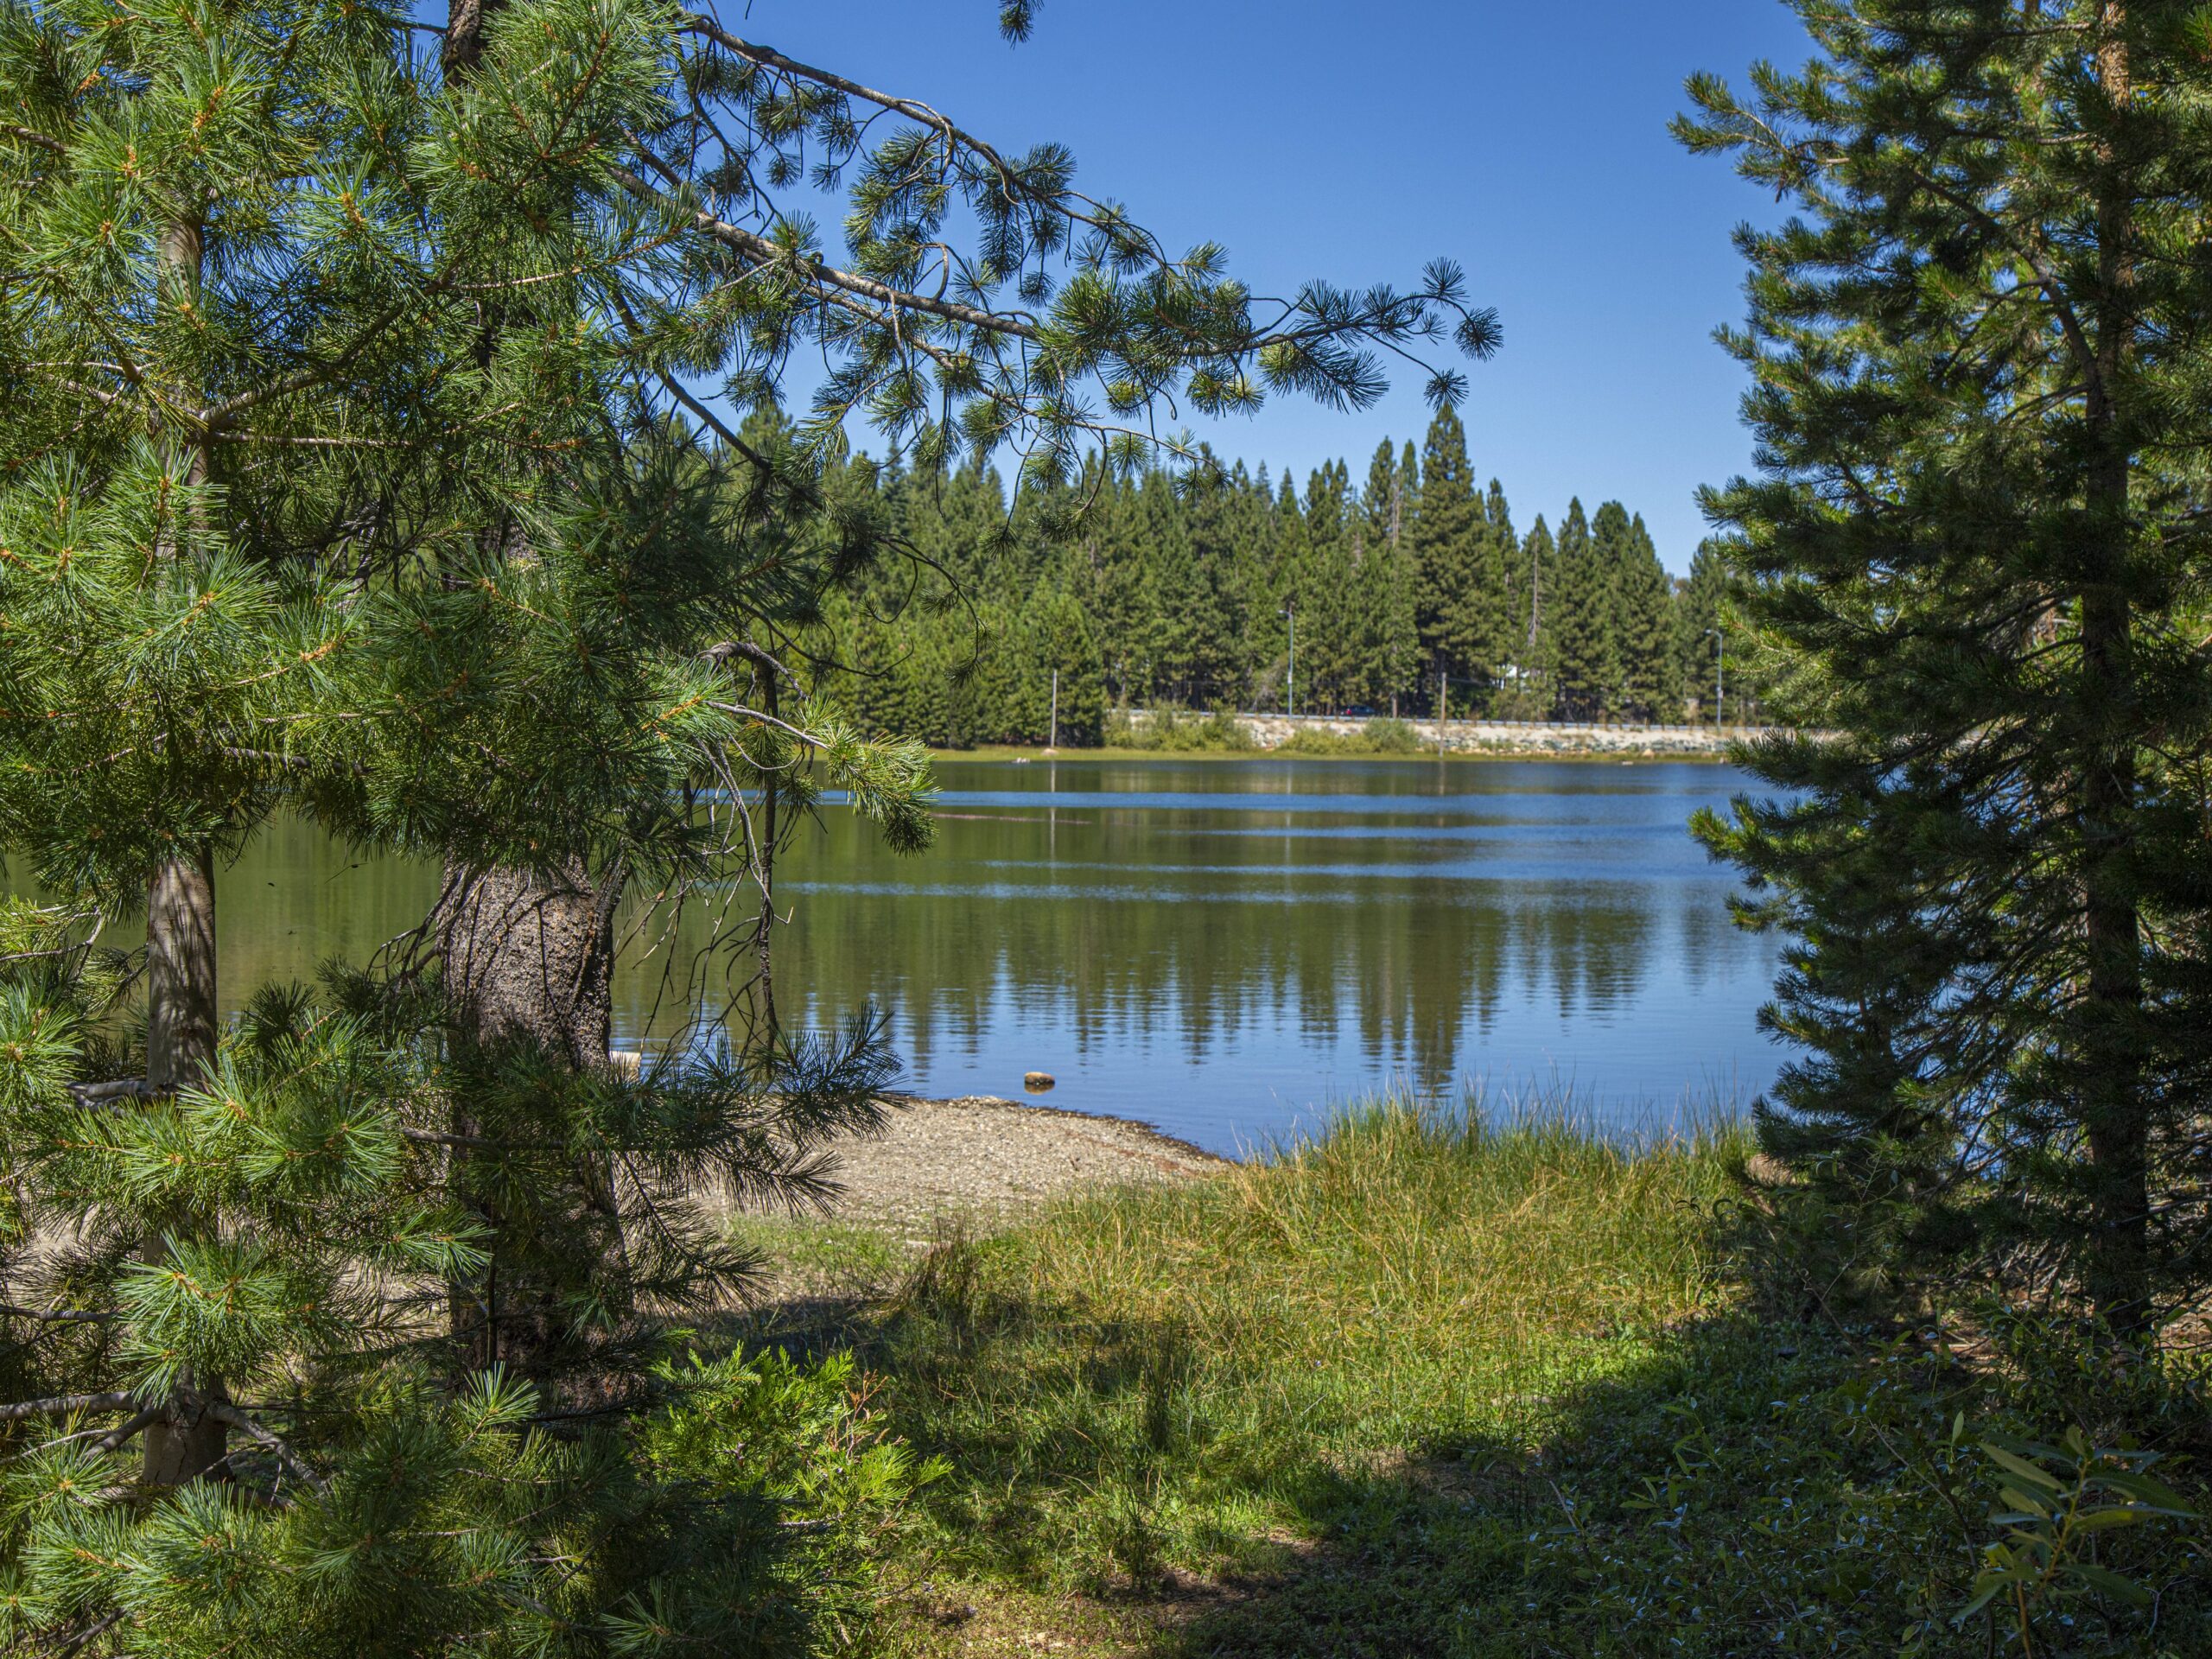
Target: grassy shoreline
1431,1387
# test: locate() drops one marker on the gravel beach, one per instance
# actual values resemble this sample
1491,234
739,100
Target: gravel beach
980,1158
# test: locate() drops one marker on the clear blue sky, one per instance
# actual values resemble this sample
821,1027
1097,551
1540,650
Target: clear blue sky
1355,143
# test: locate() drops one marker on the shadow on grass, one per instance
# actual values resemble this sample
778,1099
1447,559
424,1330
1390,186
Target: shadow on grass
1733,1484
1612,1517
1431,1386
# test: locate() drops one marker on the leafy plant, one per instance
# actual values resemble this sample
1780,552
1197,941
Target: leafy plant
2057,1503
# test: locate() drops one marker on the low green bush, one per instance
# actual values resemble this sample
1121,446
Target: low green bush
1382,735
1175,731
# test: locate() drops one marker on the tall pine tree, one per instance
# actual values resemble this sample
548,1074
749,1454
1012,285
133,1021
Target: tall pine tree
1580,619
1977,359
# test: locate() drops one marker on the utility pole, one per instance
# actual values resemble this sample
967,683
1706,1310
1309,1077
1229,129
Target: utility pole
1443,709
1290,679
1054,741
1720,674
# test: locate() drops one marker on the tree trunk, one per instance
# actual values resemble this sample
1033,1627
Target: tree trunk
2110,1060
180,1006
529,957
180,1023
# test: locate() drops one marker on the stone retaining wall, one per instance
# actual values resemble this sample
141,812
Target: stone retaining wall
1509,737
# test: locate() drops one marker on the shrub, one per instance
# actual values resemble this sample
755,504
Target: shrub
1382,735
1175,731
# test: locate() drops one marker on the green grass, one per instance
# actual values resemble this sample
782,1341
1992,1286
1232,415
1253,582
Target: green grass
1433,1388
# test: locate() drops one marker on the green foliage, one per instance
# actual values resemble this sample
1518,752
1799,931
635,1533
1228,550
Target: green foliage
1975,554
2057,1505
310,1233
1584,661
1381,735
1172,731
749,1509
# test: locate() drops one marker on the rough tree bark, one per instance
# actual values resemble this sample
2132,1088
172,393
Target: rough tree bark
530,955
187,1440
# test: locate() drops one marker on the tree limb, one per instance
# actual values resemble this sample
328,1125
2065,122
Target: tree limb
64,1405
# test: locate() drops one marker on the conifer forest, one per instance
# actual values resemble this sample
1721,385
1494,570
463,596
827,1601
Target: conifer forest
553,458
1408,588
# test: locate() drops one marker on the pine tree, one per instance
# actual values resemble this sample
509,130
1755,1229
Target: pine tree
1643,637
1450,537
1701,666
1537,646
1387,572
1330,605
351,467
1294,563
1581,622
1977,359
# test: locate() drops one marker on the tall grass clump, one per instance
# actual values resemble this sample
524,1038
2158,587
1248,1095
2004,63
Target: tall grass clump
1164,1376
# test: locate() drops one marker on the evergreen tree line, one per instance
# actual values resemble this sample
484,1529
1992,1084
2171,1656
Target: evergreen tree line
1409,590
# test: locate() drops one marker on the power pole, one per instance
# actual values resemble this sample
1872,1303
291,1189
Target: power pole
1719,675
1443,709
1053,741
1290,678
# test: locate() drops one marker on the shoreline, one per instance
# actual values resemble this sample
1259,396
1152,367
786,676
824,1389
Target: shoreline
984,1160
1346,738
1009,752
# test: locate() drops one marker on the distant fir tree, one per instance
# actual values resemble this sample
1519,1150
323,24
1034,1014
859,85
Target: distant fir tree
1540,561
1206,619
1580,616
1333,614
1450,538
1293,570
1699,663
1535,569
1978,355
1390,573
1643,631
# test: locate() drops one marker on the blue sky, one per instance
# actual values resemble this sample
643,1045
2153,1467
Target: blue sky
1355,142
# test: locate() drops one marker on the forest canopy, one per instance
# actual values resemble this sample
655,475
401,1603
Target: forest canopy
1153,586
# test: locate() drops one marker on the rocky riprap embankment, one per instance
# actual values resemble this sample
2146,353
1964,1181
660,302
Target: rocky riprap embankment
1512,737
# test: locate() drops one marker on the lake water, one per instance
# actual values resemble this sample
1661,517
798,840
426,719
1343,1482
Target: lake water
1224,948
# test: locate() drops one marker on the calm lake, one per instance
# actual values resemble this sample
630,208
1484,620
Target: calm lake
1224,948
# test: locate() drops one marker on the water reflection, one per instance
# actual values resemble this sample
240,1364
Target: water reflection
1220,947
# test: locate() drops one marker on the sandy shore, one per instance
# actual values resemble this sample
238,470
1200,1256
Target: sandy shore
981,1158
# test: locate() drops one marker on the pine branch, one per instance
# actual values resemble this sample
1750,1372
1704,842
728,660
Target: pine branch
64,1405
253,1430
61,1316
769,255
38,139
